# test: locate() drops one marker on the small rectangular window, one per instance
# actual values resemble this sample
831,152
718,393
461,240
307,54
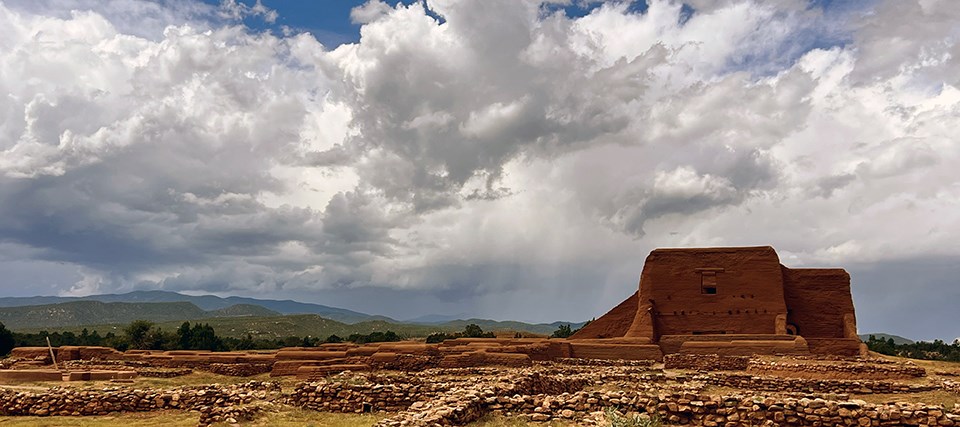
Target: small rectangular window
708,283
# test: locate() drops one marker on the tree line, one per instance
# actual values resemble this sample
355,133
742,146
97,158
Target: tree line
936,350
470,331
145,335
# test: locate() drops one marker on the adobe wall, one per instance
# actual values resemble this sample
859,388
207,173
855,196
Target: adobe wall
615,351
671,300
817,301
850,347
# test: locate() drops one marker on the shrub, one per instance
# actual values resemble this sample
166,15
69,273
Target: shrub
615,419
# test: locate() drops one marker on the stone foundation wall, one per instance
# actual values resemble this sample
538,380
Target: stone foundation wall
395,394
164,372
572,361
142,369
316,373
403,362
341,396
237,369
707,362
803,385
483,358
837,370
463,405
77,402
230,414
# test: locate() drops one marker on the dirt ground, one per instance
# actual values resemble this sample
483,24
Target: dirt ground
285,415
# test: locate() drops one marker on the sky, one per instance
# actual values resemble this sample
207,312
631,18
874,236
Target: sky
506,159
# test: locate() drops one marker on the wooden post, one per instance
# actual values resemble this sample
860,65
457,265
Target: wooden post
54,356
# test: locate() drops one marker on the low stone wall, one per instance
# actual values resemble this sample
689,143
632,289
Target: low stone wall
402,362
164,372
316,373
483,358
705,362
344,396
463,405
237,369
369,393
572,361
77,402
231,414
837,370
803,385
141,368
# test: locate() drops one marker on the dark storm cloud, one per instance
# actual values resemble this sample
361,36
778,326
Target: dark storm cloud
906,297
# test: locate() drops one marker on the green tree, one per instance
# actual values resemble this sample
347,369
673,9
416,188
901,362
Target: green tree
203,337
184,337
474,331
439,337
563,331
6,340
137,334
157,339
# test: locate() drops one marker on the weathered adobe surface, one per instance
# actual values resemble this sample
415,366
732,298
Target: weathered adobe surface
26,375
154,364
615,323
748,298
142,369
711,293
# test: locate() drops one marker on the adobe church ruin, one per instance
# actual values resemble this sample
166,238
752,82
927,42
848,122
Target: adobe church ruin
732,301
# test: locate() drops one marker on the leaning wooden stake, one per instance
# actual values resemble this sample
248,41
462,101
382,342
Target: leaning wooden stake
53,356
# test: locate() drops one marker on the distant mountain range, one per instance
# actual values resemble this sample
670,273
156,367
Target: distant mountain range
231,316
75,313
205,303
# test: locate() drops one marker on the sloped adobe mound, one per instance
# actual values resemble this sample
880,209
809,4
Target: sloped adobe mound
613,324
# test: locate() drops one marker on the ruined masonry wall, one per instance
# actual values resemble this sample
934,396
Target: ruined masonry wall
710,362
836,370
77,402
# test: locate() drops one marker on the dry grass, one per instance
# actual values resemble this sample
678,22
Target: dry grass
497,421
289,417
292,417
936,397
196,378
142,419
